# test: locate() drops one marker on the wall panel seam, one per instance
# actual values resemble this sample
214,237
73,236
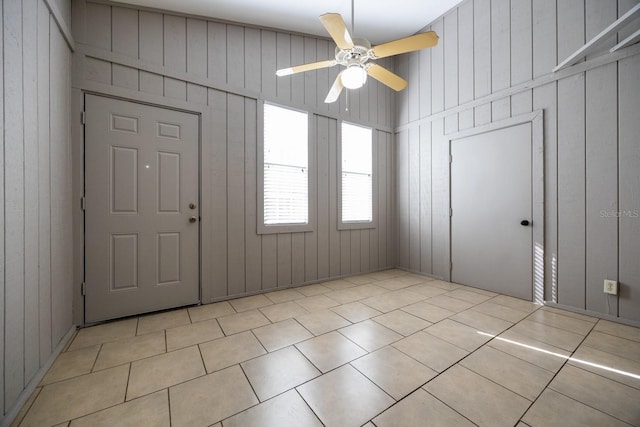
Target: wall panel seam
618,183
3,279
584,112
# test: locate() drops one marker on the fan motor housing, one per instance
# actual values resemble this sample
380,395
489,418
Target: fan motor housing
358,53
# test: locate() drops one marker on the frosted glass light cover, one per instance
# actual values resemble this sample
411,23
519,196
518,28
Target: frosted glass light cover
354,77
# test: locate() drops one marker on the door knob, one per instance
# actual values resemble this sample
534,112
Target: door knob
192,205
192,219
524,222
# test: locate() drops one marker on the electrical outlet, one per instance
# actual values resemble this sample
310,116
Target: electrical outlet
611,287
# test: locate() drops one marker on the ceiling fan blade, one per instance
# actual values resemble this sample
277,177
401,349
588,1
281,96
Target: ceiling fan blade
407,44
335,90
335,25
386,77
306,67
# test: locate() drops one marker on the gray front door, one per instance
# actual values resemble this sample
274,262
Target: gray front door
141,217
490,196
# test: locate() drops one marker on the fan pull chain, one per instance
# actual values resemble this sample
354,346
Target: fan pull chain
346,108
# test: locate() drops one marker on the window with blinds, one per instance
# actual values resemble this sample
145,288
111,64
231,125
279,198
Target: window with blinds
286,166
356,174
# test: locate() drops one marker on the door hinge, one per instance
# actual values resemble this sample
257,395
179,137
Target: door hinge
83,117
451,266
83,203
450,158
450,211
83,289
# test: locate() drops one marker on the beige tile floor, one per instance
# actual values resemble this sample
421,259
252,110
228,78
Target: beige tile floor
382,349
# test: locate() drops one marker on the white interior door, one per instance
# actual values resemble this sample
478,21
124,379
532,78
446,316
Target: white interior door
142,214
491,190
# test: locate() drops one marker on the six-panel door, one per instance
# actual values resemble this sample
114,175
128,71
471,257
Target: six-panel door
142,213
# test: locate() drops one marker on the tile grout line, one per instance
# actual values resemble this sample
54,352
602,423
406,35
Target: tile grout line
93,365
126,389
488,379
253,390
204,364
108,407
169,405
519,358
558,371
587,405
437,373
561,328
421,386
350,363
308,405
435,397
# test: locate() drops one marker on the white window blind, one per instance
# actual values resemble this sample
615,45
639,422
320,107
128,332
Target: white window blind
357,167
286,166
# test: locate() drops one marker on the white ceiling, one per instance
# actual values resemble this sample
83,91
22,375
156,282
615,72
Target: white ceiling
376,20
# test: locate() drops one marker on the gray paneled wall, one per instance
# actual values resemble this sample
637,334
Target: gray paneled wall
35,194
233,58
592,154
231,69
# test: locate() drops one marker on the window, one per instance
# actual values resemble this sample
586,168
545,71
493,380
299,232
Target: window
285,167
356,176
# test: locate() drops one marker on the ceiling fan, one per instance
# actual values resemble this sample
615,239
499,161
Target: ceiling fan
355,53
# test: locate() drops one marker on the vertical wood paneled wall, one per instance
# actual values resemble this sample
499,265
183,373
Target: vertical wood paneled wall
231,68
591,145
35,194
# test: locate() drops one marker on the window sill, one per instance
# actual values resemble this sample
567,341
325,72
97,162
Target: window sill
356,225
284,228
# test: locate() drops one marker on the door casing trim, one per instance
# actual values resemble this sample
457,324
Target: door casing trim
204,114
540,259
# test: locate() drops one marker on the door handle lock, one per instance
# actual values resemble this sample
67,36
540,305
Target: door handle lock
192,205
193,219
525,222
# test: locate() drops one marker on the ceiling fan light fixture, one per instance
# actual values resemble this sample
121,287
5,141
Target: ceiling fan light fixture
354,76
355,53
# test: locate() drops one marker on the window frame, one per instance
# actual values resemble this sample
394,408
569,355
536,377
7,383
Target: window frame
263,228
358,225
